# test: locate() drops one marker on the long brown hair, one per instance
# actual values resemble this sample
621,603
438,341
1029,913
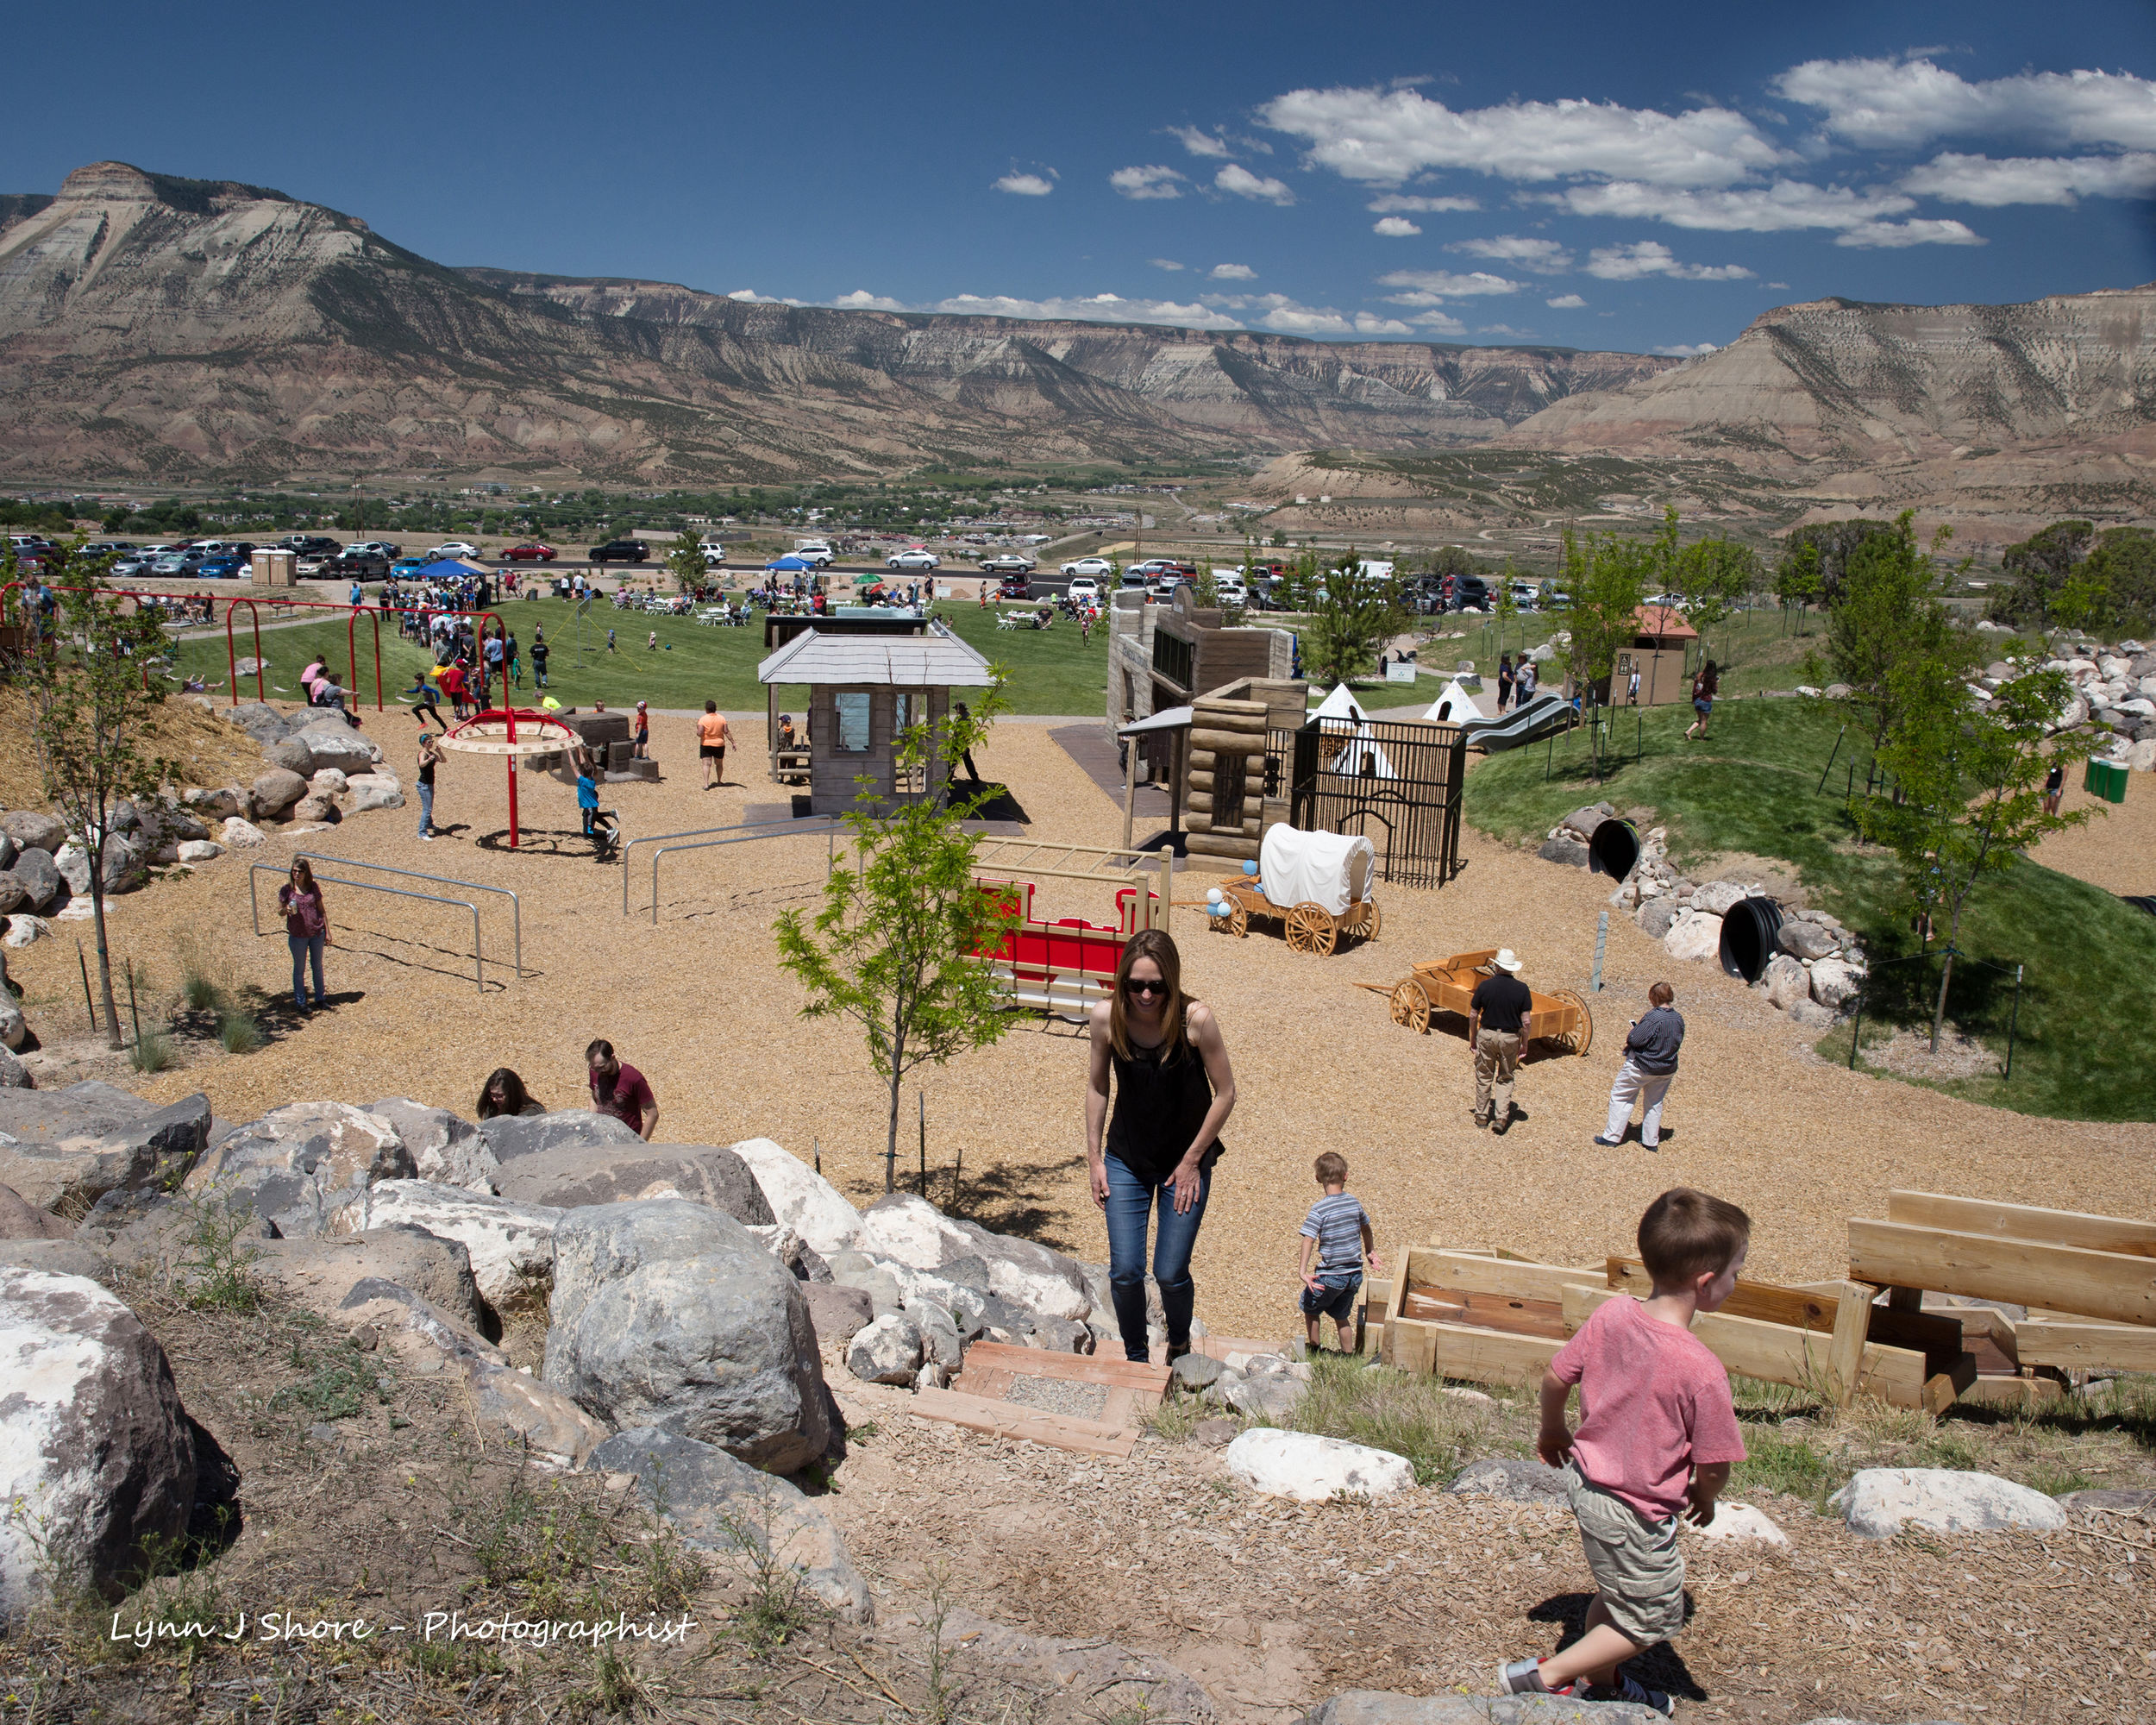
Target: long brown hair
514,1095
301,868
1156,945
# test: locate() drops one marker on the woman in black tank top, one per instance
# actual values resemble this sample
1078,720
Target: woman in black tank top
1174,1091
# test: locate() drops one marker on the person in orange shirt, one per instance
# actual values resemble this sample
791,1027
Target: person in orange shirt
713,735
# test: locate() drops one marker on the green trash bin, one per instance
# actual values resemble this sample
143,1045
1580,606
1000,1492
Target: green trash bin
2106,779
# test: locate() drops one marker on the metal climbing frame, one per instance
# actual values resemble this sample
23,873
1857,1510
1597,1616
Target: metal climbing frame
741,836
478,961
516,905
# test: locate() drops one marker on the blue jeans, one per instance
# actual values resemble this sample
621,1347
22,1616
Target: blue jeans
306,946
1130,1201
426,807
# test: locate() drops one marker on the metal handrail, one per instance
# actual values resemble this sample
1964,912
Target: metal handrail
793,821
829,860
479,960
516,905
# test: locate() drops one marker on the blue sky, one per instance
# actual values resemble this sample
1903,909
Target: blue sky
1596,176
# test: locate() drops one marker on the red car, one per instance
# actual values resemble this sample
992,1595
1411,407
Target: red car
534,553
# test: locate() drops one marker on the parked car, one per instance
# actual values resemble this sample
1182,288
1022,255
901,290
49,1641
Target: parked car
1231,590
1468,590
356,561
1099,567
917,558
1554,597
310,544
1006,563
1084,589
176,563
816,553
108,548
1671,601
1526,595
453,547
1015,586
714,554
132,564
620,551
533,552
408,568
224,568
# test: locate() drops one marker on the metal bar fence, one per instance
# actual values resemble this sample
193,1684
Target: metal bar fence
1961,960
666,838
516,905
478,961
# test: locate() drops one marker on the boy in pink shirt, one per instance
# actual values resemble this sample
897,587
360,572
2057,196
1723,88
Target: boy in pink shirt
1657,1434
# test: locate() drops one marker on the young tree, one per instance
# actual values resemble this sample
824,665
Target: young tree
1503,607
1350,624
891,947
1970,785
685,562
1606,580
2041,565
1797,581
92,712
1712,577
1887,615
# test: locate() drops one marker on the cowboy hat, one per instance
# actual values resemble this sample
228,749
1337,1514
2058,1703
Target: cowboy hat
1507,960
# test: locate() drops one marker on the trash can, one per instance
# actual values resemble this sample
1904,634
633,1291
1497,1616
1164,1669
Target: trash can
2106,779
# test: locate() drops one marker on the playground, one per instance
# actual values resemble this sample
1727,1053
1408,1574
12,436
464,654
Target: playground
697,1001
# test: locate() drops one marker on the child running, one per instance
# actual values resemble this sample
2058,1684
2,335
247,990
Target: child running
1657,1434
1338,1229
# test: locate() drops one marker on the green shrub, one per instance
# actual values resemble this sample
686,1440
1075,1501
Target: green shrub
152,1051
237,1031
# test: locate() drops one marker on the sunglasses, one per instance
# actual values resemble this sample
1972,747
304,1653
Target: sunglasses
1132,985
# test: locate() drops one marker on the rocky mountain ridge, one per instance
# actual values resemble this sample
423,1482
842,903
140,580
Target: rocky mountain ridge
161,328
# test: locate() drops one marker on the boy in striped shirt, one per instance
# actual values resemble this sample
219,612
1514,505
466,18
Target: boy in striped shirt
1338,1230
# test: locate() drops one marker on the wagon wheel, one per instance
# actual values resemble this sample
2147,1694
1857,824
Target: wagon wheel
1372,920
1575,1041
1311,929
1411,1006
1238,922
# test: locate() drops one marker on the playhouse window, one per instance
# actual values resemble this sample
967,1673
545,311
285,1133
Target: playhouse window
851,712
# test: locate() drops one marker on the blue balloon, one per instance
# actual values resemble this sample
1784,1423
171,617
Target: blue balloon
1218,910
1250,868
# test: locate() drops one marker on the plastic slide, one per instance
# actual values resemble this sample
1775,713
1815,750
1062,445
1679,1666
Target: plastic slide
1529,724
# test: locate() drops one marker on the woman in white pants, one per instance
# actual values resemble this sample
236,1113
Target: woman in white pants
1650,1049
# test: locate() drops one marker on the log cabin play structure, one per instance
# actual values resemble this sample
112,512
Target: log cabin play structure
2087,1283
1561,1020
1063,965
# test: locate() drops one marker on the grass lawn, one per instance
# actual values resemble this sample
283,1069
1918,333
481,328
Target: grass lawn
2086,1037
1050,673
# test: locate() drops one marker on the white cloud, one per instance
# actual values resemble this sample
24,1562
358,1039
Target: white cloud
1433,286
1682,351
1785,206
1199,143
1395,227
749,296
2033,180
862,300
1420,206
1565,302
1926,232
1887,103
1388,135
1025,184
1438,323
1232,272
1100,308
1146,182
1501,329
1278,312
1650,257
1243,184
1163,263
1545,257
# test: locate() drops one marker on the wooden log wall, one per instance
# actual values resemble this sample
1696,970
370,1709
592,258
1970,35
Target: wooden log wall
1227,730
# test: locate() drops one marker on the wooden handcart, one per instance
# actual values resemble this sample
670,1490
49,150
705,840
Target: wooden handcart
1562,1018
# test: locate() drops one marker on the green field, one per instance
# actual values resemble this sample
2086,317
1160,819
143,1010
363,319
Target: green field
2087,1027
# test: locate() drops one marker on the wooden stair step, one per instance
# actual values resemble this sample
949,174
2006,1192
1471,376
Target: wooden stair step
1005,1420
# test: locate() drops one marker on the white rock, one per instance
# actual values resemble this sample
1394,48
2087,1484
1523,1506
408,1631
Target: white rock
73,864
15,1030
1835,981
1315,1469
200,851
1879,1499
1717,898
2139,707
512,1245
328,781
240,835
914,1233
1786,981
367,795
1460,1393
802,1198
1695,937
2141,757
1737,1522
886,1352
23,930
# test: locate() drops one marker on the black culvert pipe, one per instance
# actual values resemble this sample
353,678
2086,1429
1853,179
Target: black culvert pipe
1749,937
1613,849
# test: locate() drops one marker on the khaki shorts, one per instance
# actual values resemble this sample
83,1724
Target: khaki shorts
1635,1562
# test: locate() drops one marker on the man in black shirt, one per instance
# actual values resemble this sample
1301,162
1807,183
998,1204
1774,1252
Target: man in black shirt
1497,1014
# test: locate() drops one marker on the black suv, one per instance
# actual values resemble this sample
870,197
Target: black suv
1468,590
353,562
309,545
620,551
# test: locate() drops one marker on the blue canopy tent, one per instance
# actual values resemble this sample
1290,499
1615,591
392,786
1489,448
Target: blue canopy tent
789,565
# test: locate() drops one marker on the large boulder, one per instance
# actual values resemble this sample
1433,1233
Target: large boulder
73,864
15,1029
1878,1501
261,721
199,851
1719,898
96,1456
240,835
320,1274
1656,915
512,1245
536,1417
19,1220
838,1314
1565,848
889,1350
800,1198
214,805
576,1177
510,1136
291,754
1314,1469
13,894
1807,940
315,808
444,1149
336,744
1786,981
715,1503
298,1166
1836,983
1583,821
671,1313
35,830
372,791
910,1229
274,790
1694,935
70,1147
45,888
